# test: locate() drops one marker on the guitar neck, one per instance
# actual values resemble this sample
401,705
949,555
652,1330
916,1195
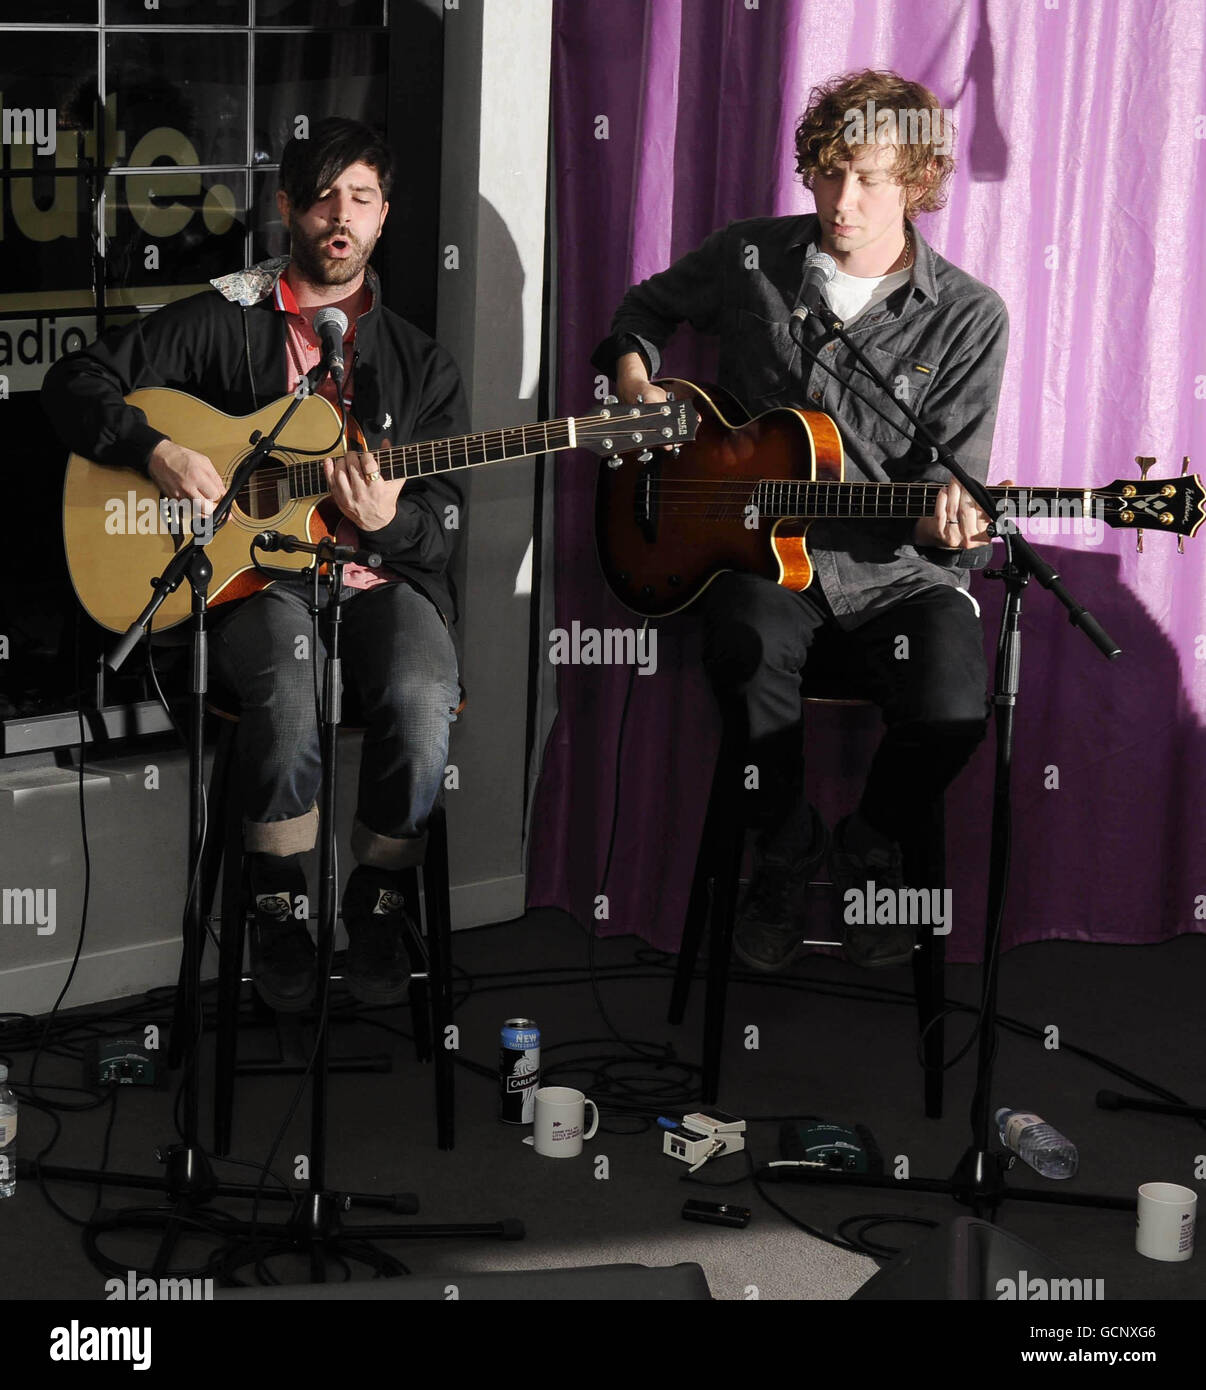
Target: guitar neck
307,479
904,500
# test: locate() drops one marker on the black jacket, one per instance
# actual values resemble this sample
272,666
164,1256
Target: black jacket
233,358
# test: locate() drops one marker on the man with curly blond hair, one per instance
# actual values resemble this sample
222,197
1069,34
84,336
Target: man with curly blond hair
875,151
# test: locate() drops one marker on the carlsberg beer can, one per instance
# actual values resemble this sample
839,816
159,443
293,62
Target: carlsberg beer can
519,1070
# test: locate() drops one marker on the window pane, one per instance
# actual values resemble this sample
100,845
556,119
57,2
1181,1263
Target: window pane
47,258
268,235
49,95
315,75
44,72
181,97
49,12
177,12
172,229
336,13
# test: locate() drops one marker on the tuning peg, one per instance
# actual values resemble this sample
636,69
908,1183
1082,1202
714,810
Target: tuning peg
611,400
1184,470
644,456
1145,463
614,461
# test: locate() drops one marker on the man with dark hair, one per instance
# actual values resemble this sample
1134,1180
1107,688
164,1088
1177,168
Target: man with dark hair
242,344
940,337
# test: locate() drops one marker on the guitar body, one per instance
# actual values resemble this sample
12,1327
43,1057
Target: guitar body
115,536
667,527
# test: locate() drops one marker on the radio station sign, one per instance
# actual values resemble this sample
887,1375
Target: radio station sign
28,346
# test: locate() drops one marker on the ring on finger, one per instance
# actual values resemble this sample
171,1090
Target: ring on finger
371,477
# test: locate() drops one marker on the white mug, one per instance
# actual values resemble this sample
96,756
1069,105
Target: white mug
560,1118
1165,1221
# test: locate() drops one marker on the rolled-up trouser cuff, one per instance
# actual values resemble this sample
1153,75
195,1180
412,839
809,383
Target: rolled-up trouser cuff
282,837
386,851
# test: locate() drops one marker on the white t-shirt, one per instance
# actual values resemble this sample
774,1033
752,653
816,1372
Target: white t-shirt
851,295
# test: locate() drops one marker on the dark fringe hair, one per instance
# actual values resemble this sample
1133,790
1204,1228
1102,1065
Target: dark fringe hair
309,166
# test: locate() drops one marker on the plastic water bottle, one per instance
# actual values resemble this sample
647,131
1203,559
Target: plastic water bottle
1037,1143
8,1136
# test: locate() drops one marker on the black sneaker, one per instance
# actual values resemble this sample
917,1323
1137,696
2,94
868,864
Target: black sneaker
870,944
770,928
378,964
282,954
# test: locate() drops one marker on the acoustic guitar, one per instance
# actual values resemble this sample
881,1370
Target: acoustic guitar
742,495
119,532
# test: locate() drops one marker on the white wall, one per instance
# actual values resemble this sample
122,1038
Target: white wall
497,57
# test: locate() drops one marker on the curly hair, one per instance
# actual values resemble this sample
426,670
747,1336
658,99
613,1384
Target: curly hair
834,129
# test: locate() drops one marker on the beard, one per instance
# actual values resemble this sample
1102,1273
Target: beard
310,256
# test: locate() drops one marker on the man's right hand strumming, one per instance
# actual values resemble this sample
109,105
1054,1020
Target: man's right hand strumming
181,472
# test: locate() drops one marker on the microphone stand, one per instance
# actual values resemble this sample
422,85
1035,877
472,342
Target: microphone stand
978,1179
314,1228
189,1181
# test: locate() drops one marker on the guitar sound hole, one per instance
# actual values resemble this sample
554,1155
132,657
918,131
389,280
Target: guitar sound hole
266,493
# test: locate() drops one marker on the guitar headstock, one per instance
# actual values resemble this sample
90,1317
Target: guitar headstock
1160,504
618,429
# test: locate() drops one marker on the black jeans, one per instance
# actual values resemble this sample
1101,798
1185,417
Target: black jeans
922,662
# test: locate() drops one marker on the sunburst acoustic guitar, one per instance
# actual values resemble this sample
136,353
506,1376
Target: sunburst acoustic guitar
742,495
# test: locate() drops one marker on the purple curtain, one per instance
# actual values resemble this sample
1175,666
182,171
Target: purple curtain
1078,196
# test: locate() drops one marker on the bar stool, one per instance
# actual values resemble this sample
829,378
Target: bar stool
430,953
712,904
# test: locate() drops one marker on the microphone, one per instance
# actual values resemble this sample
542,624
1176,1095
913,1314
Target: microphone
325,549
331,324
819,270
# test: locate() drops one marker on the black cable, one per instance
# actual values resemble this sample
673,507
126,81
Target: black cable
105,1143
79,944
857,1243
635,1099
869,1220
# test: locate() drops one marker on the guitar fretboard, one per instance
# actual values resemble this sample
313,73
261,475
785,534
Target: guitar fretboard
307,479
833,499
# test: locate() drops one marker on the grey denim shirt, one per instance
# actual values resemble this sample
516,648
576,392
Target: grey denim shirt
942,338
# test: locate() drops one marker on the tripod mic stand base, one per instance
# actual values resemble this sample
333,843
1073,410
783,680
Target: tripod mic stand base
978,1182
317,1234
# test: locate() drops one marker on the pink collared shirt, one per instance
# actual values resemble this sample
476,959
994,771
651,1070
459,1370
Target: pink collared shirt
303,353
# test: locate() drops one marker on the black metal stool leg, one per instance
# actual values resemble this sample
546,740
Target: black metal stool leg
701,890
725,876
231,935
712,906
439,954
925,867
211,863
420,991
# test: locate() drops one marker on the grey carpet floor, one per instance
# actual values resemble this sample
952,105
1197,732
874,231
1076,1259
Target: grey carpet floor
833,1042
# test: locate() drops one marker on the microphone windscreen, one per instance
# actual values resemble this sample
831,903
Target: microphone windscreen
329,314
822,265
